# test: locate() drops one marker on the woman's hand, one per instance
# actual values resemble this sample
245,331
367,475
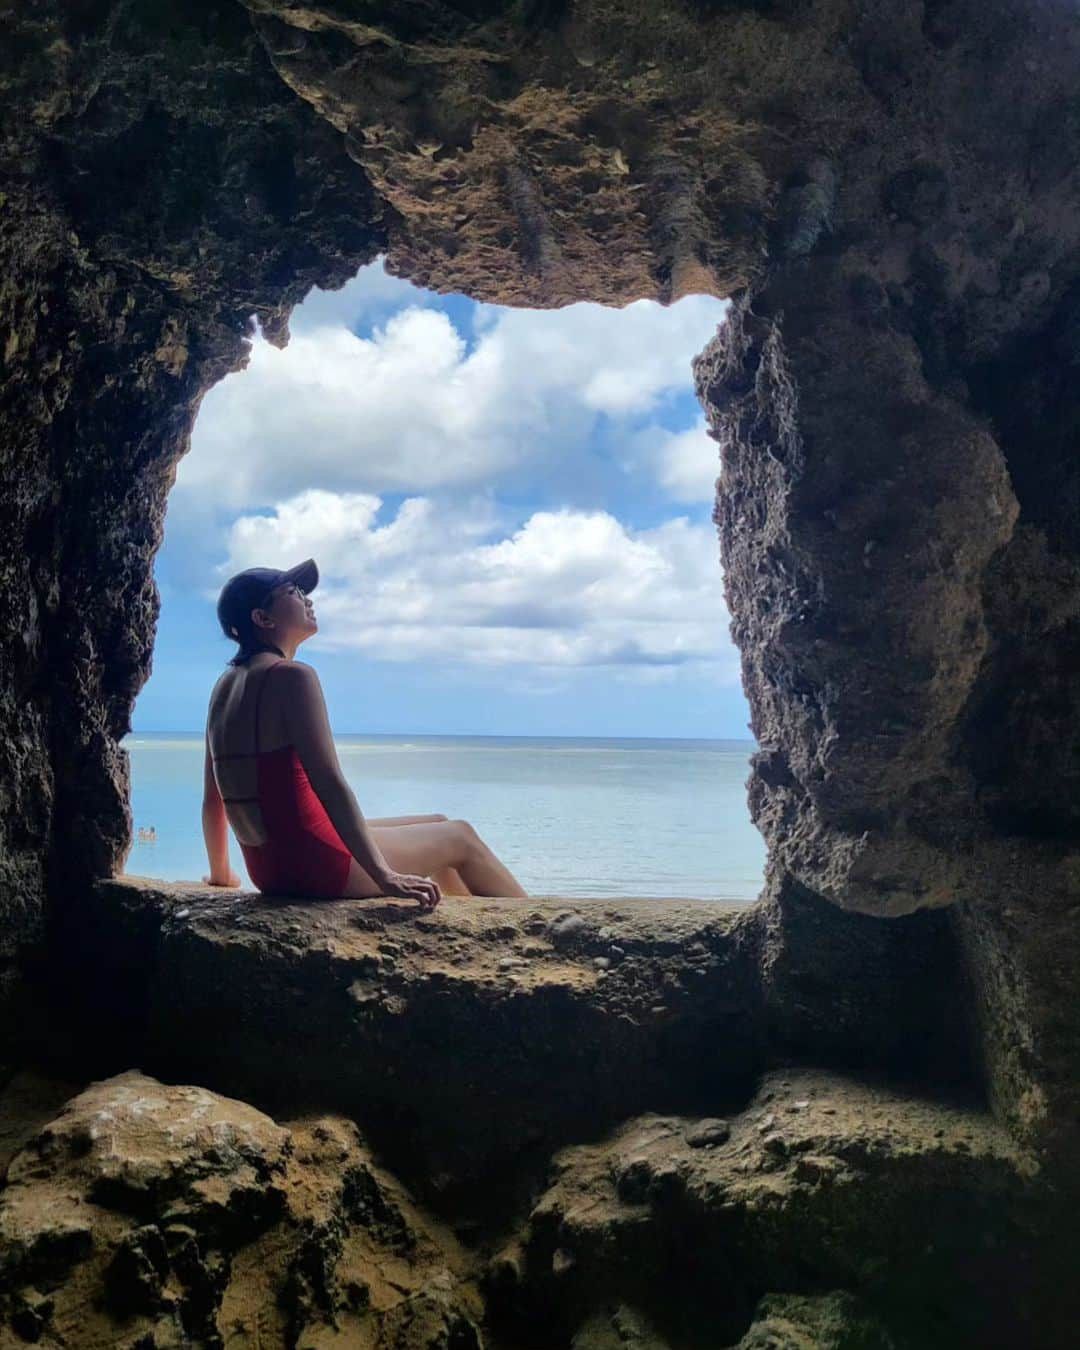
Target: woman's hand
424,891
232,880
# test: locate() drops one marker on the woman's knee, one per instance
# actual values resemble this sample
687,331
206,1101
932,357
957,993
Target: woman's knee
467,838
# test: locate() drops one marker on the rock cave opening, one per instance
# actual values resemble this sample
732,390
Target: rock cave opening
846,1115
521,614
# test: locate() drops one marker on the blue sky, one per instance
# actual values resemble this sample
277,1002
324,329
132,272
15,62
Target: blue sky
510,510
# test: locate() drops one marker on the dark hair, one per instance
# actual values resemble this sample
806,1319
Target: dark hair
250,643
250,590
244,634
248,650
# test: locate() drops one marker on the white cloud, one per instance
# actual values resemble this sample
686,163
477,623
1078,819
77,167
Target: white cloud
413,408
372,293
614,361
566,589
685,463
300,450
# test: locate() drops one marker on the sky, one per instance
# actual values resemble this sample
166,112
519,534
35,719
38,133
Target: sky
510,510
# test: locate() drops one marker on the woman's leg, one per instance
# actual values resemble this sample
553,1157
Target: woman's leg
403,820
449,880
424,850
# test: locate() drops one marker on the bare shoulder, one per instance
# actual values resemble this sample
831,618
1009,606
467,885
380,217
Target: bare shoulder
220,685
301,700
297,678
298,670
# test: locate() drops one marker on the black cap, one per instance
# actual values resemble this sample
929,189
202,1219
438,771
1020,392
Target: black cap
248,590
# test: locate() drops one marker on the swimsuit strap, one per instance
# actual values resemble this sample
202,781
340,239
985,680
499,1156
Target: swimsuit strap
251,754
258,699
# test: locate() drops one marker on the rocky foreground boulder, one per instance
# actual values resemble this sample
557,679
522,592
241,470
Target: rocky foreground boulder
527,1126
472,1043
821,1182
889,194
145,1215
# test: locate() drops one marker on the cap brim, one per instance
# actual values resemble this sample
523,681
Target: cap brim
305,575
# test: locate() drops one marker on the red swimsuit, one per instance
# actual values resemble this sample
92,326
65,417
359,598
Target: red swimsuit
303,854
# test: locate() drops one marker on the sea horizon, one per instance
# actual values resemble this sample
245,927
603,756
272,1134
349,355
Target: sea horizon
579,816
473,736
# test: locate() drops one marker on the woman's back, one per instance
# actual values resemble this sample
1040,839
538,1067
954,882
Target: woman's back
272,770
288,840
243,720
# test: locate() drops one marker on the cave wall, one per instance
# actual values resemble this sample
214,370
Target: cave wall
898,516
889,192
160,186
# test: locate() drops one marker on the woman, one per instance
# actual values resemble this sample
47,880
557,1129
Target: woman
272,773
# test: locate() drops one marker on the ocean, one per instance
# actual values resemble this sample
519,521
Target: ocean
589,817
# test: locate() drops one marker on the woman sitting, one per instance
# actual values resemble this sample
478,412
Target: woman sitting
272,773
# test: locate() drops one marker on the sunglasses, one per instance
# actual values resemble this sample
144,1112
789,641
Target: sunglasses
290,589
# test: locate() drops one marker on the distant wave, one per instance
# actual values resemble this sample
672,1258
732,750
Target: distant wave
463,746
153,743
574,746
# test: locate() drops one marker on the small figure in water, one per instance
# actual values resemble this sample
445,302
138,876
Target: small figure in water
272,773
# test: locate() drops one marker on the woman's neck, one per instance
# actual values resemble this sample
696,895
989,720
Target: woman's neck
259,647
284,645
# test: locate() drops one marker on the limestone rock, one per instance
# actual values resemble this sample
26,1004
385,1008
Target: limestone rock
620,1328
159,186
913,1206
532,157
708,1133
891,193
827,1322
147,1214
459,1068
28,1101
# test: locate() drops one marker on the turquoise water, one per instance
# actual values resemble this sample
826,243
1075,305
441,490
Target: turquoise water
572,817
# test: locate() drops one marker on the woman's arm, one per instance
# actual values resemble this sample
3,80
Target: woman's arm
309,729
215,829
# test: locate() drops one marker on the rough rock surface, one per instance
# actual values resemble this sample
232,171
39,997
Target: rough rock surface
28,1101
822,1183
556,153
825,1322
471,1042
468,1043
158,187
891,193
153,1216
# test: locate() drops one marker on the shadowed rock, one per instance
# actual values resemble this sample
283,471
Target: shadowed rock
891,195
823,1182
169,1216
